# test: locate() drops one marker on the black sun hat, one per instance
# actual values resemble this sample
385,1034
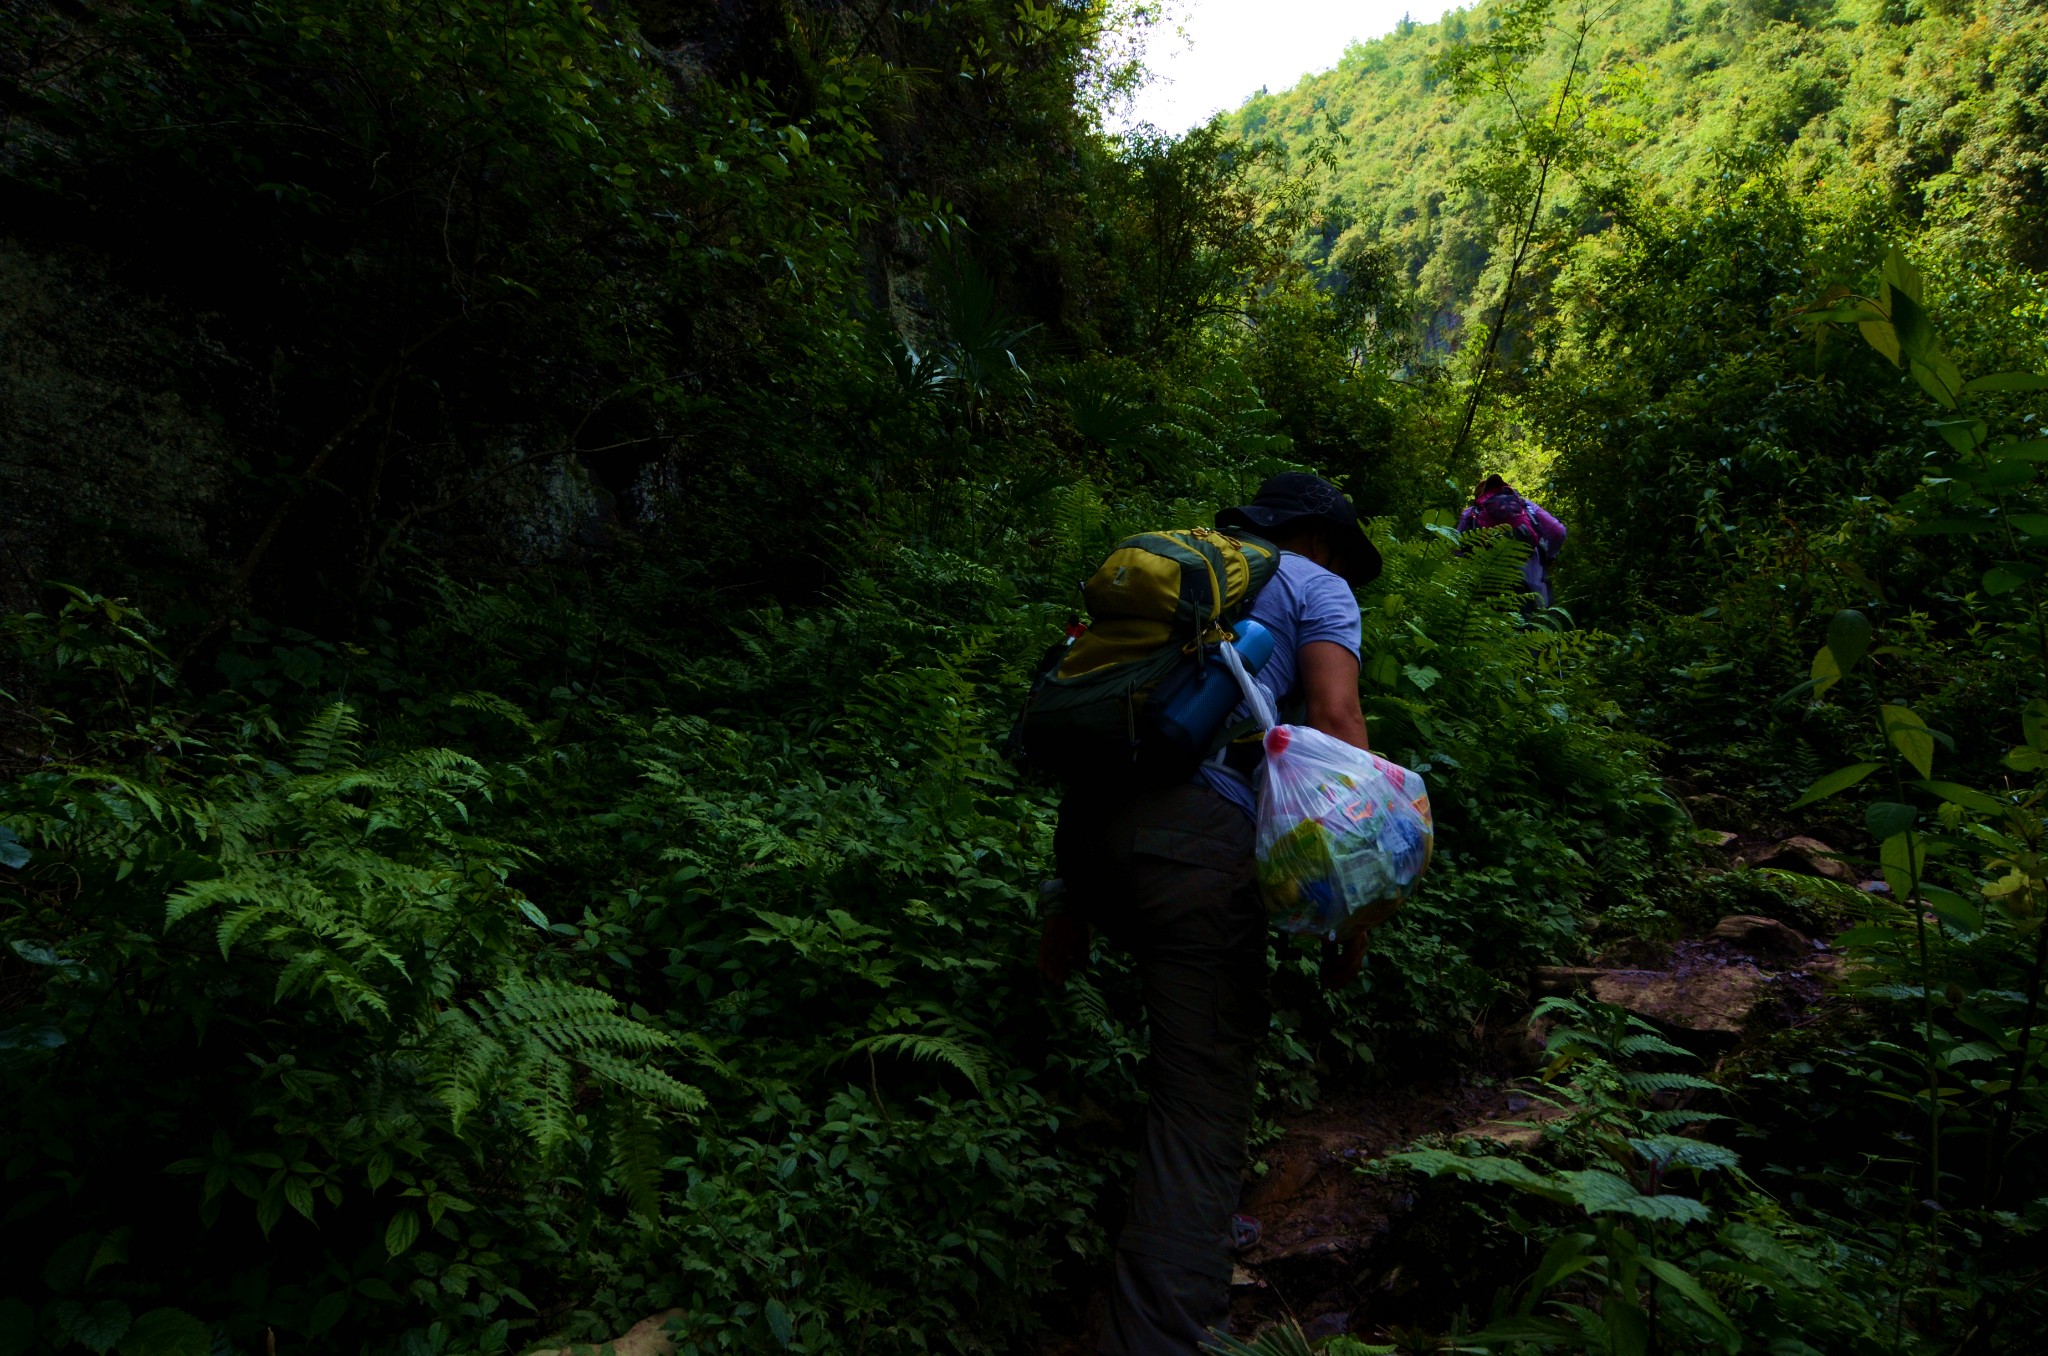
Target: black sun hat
1293,496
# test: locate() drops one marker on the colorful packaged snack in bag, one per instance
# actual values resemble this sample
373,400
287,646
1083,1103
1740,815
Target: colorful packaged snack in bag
1342,833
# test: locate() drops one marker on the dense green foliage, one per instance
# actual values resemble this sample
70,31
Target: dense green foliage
504,821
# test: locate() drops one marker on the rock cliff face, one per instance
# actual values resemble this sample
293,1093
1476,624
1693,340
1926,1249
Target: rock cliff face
128,429
115,462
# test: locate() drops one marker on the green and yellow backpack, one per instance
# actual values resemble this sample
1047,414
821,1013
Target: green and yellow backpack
1152,605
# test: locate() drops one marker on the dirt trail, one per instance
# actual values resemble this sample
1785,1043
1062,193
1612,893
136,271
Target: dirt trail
1323,1257
1333,1255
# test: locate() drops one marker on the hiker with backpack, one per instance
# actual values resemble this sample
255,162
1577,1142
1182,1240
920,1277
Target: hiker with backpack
1158,854
1495,503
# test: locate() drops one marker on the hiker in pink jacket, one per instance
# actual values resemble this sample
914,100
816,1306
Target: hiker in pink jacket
1496,504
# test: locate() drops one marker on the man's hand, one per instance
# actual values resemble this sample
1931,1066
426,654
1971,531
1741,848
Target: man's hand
1063,945
1329,683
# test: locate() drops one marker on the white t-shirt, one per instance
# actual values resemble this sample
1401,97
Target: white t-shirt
1301,603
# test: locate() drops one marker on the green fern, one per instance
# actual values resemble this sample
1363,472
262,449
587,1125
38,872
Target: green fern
329,738
919,1045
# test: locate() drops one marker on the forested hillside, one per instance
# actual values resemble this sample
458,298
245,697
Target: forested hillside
526,530
1935,112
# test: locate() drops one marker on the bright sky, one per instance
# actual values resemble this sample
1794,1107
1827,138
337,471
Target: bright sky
1221,51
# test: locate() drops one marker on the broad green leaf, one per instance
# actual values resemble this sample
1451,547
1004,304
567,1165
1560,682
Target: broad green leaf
167,1332
1697,1154
1848,638
1827,671
2004,578
1961,434
1917,339
400,1234
1880,335
2005,473
1953,907
777,1315
1898,272
2034,724
1885,818
2032,524
1837,781
12,854
2008,381
2033,449
1903,858
1762,1248
96,1327
1600,1192
1628,1327
1968,797
1909,735
1682,1281
1565,1255
1939,377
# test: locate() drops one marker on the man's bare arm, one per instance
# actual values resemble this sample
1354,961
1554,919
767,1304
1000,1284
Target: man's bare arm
1329,680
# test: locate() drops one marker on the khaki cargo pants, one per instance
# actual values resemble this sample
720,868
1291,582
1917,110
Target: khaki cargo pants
1167,874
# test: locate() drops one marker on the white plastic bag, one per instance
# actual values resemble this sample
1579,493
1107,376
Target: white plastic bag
1342,835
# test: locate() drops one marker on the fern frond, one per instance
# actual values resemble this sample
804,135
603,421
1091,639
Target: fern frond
636,1162
920,1046
644,1081
1664,1082
470,1057
328,738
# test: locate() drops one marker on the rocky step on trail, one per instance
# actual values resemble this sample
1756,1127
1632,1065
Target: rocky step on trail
1332,1255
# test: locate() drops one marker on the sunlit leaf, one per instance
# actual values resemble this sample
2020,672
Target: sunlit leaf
1898,272
1826,671
1909,735
1968,797
1880,335
1903,859
1939,377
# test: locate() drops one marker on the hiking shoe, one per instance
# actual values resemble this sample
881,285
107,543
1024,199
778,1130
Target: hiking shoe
1244,1232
